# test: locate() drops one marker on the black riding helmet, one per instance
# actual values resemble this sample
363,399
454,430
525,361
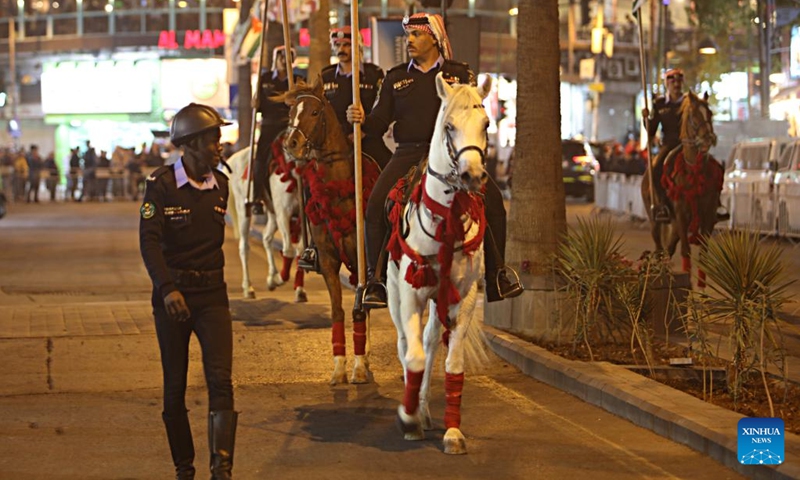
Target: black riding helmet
192,120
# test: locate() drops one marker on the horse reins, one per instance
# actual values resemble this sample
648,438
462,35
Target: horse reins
452,178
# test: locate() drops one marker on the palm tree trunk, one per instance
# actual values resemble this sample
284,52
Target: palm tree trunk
537,217
319,53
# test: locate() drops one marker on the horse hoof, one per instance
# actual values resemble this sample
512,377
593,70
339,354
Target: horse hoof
454,442
250,294
339,371
409,425
425,416
361,373
300,296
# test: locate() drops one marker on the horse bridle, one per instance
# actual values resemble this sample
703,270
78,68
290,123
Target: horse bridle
697,141
452,178
310,145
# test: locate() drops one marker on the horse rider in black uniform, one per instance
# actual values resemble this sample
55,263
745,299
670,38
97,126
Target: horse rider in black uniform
274,120
337,83
181,233
408,97
666,112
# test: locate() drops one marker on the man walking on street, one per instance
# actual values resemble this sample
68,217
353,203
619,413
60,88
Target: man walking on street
35,167
181,233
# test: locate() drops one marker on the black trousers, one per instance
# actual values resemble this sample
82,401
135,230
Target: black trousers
404,158
211,323
263,155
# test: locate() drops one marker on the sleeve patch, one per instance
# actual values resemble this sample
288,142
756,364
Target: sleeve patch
148,210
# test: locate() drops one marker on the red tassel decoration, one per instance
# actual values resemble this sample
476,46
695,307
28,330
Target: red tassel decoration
453,386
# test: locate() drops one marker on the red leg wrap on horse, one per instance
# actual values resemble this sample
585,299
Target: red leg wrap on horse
701,278
687,264
287,266
411,397
338,338
453,385
360,338
299,278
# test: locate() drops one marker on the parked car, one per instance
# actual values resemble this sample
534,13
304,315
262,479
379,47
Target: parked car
579,168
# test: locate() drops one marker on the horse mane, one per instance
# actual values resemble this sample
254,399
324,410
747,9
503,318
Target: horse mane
460,90
686,110
300,88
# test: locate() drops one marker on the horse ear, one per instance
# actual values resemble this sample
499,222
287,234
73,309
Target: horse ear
442,88
318,89
705,95
486,87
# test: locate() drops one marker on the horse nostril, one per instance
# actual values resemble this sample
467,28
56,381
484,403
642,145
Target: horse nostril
484,176
293,143
466,177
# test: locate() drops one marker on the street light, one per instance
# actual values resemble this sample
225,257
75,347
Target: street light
707,47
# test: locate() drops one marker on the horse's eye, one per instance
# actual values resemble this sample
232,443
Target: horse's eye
315,113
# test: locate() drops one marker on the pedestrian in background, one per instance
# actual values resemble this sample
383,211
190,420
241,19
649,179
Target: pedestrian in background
103,175
89,172
20,175
74,173
35,167
181,233
51,181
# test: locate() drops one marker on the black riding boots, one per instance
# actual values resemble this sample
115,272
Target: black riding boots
179,434
221,439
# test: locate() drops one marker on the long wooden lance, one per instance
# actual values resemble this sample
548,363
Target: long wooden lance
287,43
257,97
643,74
356,62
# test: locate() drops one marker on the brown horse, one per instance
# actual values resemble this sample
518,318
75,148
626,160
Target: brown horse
326,162
692,179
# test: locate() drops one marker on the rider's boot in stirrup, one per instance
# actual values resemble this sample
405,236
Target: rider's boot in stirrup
499,286
309,260
374,295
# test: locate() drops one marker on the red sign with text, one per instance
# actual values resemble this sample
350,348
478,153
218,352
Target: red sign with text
192,39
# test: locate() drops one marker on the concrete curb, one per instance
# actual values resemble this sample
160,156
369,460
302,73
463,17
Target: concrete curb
676,415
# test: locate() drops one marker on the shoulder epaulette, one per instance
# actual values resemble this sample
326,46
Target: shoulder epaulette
372,66
399,67
158,172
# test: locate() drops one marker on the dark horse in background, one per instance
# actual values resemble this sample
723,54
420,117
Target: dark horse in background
693,180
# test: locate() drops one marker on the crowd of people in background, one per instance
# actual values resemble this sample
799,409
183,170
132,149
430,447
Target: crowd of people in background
629,159
89,175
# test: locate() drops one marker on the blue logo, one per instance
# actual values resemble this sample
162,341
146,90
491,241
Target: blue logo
761,441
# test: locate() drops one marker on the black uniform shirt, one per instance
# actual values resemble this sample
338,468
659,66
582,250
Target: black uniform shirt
339,90
666,114
181,228
274,113
408,96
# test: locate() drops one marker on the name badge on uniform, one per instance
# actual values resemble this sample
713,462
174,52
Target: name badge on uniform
402,84
177,215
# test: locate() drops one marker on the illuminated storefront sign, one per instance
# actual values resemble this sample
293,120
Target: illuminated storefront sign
192,39
98,87
202,80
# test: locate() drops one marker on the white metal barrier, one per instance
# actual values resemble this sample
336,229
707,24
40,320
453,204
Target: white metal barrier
617,193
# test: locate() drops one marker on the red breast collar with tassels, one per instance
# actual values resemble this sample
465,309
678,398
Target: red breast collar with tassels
449,231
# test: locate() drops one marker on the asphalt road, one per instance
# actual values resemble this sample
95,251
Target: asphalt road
82,400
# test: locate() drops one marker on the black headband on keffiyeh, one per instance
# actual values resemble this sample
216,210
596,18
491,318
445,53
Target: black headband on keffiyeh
433,25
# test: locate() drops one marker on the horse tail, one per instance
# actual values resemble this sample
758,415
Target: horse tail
476,357
238,162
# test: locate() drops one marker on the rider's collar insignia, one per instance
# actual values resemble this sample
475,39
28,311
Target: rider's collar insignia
404,83
147,210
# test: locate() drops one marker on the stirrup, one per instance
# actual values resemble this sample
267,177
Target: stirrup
309,260
661,214
516,286
255,207
372,296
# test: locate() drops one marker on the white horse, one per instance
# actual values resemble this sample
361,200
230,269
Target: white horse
285,204
442,253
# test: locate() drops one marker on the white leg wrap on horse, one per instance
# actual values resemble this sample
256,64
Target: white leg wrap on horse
339,375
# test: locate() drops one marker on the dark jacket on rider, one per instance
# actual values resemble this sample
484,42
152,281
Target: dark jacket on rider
667,114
